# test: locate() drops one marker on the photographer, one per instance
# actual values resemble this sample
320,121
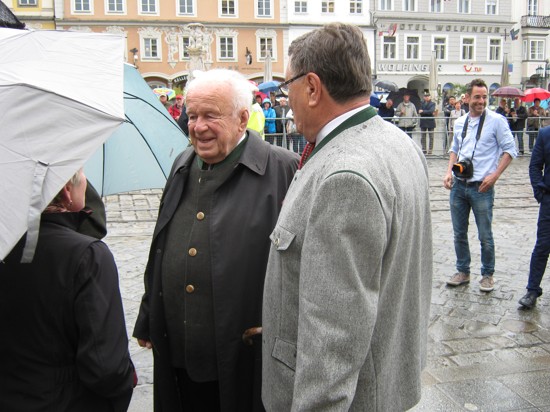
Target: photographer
475,164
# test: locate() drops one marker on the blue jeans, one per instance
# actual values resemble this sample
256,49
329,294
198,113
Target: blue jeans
466,197
539,257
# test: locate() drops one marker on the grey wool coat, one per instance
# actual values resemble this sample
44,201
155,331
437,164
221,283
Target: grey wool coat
243,214
348,283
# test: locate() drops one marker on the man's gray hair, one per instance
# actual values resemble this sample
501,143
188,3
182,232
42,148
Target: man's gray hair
239,86
338,54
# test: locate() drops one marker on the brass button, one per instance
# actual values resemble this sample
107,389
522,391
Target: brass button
192,252
190,288
200,216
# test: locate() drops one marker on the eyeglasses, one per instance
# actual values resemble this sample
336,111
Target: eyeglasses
283,87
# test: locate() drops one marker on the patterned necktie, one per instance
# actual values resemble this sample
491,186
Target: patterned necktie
305,154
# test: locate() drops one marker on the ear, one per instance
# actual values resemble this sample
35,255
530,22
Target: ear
244,115
314,89
66,193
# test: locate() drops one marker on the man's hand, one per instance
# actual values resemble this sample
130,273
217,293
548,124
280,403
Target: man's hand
448,181
488,182
144,343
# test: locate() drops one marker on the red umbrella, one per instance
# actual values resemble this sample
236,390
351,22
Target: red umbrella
535,93
508,91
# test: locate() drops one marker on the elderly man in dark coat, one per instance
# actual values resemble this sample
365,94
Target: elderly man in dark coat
427,123
201,311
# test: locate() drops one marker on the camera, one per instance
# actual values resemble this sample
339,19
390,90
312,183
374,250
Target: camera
464,169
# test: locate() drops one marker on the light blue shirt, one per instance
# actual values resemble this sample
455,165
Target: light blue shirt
496,138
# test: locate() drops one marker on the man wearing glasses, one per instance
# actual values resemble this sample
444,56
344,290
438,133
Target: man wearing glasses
348,282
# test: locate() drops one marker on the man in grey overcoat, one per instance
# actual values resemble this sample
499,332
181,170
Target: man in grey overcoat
201,311
348,283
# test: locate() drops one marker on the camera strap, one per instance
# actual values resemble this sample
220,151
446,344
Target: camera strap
478,134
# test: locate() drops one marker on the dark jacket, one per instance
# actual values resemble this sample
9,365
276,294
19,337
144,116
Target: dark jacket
519,124
426,117
386,113
64,346
539,166
244,212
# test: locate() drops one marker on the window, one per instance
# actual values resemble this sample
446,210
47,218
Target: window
440,47
524,50
356,6
532,7
82,6
491,7
151,48
467,48
184,53
185,7
389,48
495,48
412,48
115,6
148,6
536,50
386,5
327,7
464,6
266,43
436,6
300,7
409,5
27,3
226,48
264,8
228,8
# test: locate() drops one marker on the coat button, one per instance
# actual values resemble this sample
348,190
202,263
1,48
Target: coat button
200,216
190,288
192,252
277,242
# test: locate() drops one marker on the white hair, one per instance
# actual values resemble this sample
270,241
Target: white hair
239,86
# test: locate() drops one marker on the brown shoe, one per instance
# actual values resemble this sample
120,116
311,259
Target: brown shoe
459,278
486,284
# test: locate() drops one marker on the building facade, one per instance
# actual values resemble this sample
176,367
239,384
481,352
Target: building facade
166,39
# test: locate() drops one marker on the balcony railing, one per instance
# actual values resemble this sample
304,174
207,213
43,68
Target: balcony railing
535,21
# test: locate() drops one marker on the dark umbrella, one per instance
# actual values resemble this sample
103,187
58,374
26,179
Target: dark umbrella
8,19
386,85
397,97
508,91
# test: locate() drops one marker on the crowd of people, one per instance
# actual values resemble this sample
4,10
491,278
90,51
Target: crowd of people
274,281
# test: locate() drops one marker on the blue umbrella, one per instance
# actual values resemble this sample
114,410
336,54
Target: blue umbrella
267,87
140,153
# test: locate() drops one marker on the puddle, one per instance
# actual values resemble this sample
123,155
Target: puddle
519,326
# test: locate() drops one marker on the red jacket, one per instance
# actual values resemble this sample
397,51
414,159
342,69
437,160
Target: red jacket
174,111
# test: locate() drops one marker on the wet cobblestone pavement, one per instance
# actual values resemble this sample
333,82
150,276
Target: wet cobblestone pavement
485,353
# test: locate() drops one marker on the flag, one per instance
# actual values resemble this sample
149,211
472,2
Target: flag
514,34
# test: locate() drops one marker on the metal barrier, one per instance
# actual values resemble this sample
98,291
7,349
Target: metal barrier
442,137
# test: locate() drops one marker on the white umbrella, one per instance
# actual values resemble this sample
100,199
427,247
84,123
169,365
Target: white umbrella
433,75
60,98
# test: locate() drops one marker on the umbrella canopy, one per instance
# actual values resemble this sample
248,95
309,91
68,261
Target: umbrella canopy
504,75
140,153
433,75
535,93
60,98
397,97
508,91
386,85
267,87
165,91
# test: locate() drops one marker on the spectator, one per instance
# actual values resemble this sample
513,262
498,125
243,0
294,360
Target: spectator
281,111
535,112
176,109
517,122
457,112
406,110
427,123
387,111
270,115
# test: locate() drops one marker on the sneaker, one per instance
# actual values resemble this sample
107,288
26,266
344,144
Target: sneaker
486,284
459,278
529,300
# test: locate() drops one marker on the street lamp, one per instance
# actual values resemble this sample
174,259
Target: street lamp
543,74
134,51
